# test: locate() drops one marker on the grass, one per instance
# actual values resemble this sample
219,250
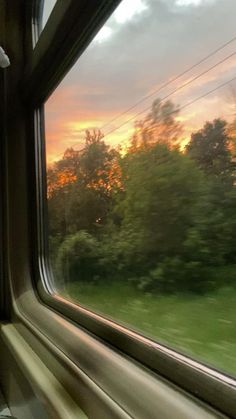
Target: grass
203,327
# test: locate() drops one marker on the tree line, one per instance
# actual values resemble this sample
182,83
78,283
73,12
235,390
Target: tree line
158,216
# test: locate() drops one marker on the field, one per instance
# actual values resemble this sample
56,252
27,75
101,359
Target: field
203,327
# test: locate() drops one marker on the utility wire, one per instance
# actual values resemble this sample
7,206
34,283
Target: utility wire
201,97
165,85
182,107
208,93
171,81
173,92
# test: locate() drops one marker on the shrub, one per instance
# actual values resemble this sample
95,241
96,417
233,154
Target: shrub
174,275
78,258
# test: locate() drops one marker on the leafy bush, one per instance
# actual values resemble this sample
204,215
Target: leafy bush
79,258
175,275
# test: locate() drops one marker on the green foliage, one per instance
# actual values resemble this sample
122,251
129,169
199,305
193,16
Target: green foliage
80,187
174,275
155,216
209,147
95,163
78,258
164,197
87,209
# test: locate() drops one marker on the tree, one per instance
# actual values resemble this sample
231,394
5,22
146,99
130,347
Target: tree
78,258
160,125
81,186
209,147
163,209
61,176
98,167
63,172
231,132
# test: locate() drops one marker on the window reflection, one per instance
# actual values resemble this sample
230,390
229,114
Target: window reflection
140,140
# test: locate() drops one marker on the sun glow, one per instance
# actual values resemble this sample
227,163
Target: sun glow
98,93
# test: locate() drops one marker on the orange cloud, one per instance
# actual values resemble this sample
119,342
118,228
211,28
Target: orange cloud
69,111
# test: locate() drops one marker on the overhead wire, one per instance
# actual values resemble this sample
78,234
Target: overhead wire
167,84
173,92
202,60
183,106
200,97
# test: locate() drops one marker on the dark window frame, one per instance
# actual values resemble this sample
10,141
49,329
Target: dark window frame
65,38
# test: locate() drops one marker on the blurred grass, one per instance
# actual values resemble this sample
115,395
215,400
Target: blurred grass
202,326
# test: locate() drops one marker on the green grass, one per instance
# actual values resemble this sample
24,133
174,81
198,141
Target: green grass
203,327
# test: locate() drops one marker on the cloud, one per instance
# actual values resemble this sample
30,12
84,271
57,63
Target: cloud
153,44
103,34
128,9
192,2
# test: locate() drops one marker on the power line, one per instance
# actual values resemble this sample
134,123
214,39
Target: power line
173,92
196,99
171,81
202,96
207,94
186,105
165,85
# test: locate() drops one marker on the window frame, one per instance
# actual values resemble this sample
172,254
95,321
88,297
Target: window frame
42,311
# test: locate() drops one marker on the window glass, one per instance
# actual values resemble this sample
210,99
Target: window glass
141,152
47,10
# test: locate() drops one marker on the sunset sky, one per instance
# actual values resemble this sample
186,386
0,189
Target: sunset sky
144,44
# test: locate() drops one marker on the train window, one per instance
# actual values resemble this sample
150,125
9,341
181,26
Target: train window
140,148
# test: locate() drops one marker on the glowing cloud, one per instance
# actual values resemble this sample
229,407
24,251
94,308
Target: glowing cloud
191,2
103,34
127,9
